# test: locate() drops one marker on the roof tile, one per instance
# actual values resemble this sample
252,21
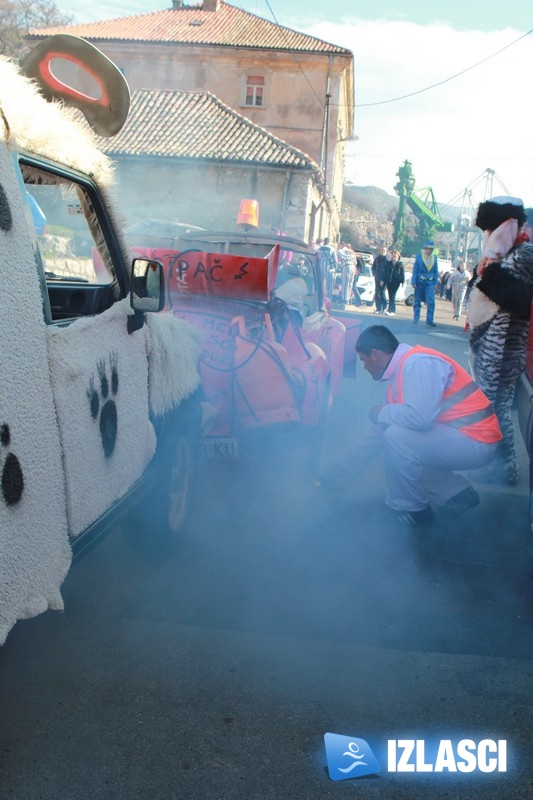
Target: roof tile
229,26
197,125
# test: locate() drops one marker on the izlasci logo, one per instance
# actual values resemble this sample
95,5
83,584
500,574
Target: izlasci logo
350,757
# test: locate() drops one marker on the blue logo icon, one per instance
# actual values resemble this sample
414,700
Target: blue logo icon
349,757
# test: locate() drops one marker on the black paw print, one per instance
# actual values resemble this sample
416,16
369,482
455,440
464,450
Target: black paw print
12,477
6,220
102,403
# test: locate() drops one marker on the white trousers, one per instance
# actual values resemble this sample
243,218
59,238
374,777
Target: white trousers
419,465
348,275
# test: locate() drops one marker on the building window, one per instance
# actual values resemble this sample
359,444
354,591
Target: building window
255,87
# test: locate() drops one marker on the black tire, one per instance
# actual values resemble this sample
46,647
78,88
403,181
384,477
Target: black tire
179,484
160,522
409,301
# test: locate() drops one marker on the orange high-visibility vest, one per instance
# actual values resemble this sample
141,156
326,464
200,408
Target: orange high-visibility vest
465,406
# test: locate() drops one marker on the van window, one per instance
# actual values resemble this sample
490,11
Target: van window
71,248
67,242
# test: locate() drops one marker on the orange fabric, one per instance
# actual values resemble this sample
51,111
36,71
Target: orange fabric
471,400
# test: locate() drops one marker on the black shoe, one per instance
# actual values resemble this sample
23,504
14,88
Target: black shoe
415,322
416,519
460,503
433,324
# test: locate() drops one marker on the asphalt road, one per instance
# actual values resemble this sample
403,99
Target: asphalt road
284,615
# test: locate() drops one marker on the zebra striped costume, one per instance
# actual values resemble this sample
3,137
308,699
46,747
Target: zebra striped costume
498,315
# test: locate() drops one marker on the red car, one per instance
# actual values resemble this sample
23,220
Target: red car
272,356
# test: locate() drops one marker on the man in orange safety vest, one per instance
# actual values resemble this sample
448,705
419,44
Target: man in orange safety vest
435,420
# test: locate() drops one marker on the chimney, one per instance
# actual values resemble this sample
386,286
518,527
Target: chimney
176,4
212,5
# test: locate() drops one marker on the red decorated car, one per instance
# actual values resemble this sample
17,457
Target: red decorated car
271,354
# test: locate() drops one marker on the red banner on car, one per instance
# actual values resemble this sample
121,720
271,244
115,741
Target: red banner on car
219,274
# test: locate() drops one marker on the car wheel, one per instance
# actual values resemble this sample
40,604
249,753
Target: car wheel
180,485
159,523
409,301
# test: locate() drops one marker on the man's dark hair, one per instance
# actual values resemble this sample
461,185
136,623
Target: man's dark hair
377,337
326,240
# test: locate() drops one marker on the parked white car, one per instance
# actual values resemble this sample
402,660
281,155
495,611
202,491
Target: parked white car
366,287
406,292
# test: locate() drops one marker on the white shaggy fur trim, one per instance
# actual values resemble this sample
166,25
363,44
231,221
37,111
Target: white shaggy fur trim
84,358
48,129
173,350
34,550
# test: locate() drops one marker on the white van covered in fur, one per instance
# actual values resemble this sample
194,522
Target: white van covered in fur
99,405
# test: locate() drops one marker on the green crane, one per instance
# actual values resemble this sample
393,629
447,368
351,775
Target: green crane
423,205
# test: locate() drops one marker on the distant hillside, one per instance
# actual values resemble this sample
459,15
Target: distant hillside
367,218
372,199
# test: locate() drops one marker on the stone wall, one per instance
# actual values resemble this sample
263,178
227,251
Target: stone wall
208,195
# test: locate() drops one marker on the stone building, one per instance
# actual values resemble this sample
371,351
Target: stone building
296,86
198,169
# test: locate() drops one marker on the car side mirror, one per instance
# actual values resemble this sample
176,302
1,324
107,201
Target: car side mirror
147,285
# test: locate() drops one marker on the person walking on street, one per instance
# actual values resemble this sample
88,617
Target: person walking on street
347,261
435,423
458,282
424,280
359,270
397,279
327,265
381,270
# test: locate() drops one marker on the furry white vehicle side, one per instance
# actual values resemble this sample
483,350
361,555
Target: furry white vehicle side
99,403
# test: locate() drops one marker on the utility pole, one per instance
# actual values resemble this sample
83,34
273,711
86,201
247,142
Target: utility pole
324,157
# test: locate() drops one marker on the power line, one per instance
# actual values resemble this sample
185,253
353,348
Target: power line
282,28
446,80
404,96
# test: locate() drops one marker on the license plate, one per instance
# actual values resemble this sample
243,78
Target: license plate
218,449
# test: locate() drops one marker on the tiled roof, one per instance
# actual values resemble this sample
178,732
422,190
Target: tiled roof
198,125
228,26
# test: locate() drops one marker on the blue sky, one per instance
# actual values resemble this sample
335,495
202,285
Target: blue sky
469,136
474,15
